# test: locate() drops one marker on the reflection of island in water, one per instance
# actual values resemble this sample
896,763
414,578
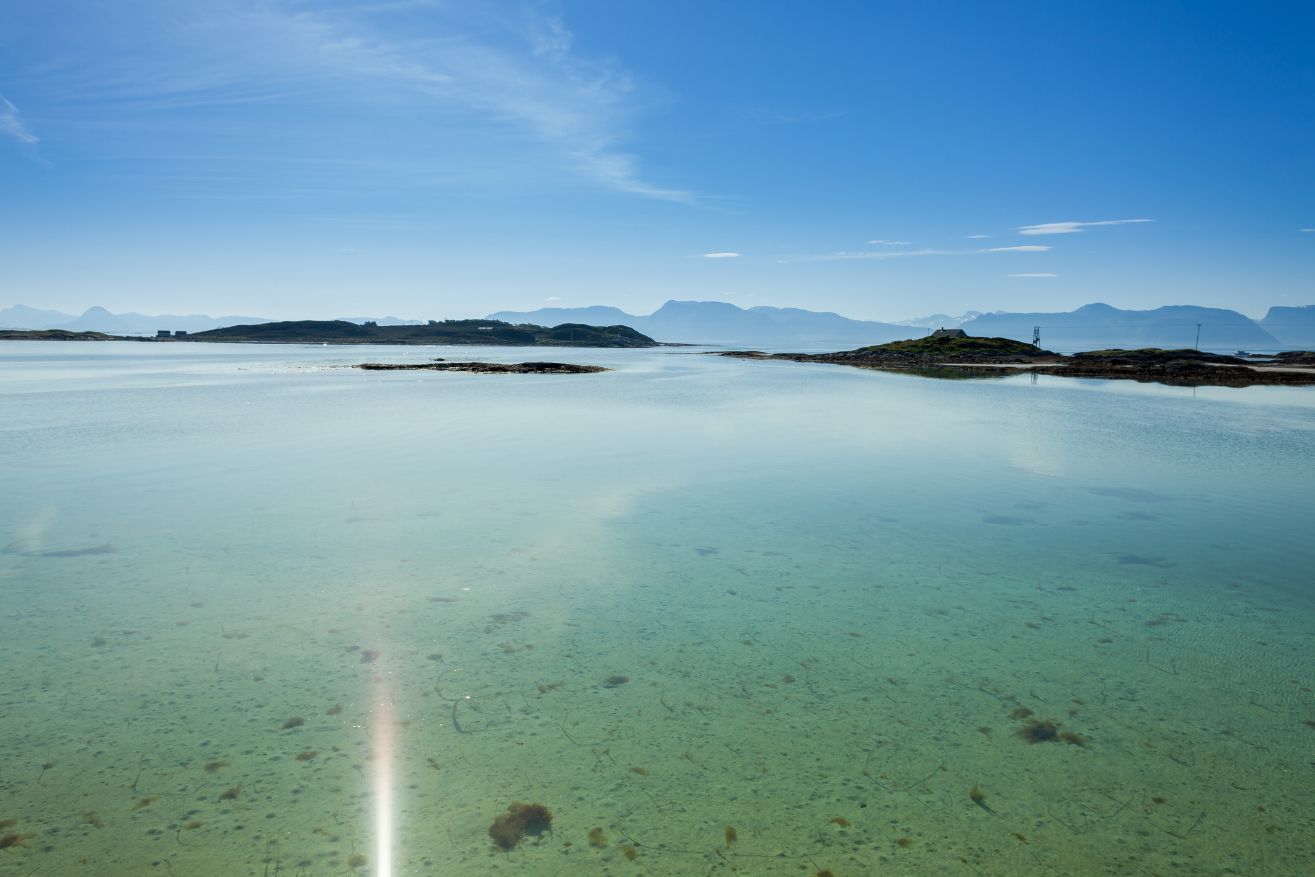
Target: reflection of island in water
955,355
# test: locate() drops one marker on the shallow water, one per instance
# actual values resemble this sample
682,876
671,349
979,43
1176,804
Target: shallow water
832,594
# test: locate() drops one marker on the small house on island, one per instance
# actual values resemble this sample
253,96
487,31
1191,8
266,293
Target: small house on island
949,333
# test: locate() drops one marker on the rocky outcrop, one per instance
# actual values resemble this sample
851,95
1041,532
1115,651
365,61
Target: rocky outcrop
488,368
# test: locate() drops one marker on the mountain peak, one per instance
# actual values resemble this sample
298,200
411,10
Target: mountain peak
679,305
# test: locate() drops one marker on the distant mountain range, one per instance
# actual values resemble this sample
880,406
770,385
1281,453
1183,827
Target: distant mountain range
1090,327
1295,327
722,323
97,319
941,321
1098,326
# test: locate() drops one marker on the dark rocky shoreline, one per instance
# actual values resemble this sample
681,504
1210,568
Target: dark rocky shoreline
1001,357
488,368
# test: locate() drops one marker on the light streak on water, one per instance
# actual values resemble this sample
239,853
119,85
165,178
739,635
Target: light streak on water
382,732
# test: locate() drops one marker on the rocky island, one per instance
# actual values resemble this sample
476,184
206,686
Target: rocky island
952,355
488,368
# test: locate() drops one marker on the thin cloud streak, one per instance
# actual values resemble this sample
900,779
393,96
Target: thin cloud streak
721,255
898,254
1038,274
567,102
519,74
1072,227
842,256
11,125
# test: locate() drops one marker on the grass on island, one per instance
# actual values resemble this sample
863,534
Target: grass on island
945,346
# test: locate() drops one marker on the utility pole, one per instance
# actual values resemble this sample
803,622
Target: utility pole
1036,336
1198,336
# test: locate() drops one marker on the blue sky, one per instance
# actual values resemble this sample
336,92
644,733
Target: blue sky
434,159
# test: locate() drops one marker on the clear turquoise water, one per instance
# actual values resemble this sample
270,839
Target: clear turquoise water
829,591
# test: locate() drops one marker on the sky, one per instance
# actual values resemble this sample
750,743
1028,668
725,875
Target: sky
310,160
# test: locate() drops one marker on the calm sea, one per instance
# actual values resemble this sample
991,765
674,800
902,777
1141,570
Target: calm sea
266,615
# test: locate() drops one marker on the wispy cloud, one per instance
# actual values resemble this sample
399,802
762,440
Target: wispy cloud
1309,230
721,255
573,104
553,298
1037,274
899,254
11,124
502,79
1072,227
977,237
886,254
891,243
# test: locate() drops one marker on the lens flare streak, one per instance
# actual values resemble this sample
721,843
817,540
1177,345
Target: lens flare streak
382,732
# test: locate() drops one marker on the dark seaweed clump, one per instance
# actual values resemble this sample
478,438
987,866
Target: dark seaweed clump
520,819
1040,731
1047,731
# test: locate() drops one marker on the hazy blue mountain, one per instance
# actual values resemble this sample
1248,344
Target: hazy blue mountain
1294,327
599,315
1097,326
941,321
378,321
718,322
828,326
711,322
24,317
98,319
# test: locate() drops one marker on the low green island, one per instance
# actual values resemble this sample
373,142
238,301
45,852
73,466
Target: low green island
486,332
964,356
436,332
